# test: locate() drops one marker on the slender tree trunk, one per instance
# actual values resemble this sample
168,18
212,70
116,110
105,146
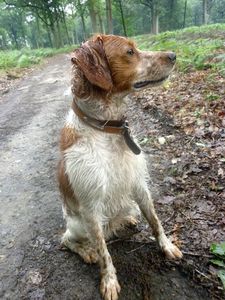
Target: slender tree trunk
66,29
14,36
93,14
205,15
81,14
171,15
49,37
83,26
38,39
100,23
60,42
122,17
155,19
23,35
185,12
109,16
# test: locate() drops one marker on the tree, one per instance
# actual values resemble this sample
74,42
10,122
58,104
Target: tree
49,13
109,20
205,15
153,5
120,8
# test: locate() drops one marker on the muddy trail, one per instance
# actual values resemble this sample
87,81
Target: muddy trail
32,266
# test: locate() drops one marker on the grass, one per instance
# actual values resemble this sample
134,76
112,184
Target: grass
25,58
218,250
196,47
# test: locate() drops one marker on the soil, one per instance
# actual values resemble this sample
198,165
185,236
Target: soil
32,265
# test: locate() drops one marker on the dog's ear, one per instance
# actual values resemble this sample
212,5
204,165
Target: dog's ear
92,60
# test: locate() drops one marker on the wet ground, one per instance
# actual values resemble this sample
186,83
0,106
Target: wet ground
31,264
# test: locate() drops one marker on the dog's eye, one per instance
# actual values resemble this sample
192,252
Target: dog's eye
130,51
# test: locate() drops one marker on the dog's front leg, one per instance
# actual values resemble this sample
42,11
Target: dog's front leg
110,287
145,202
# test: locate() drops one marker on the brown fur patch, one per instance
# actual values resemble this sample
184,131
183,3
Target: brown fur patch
66,190
68,138
64,184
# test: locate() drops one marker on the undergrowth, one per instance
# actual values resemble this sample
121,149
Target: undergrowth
197,48
25,58
218,250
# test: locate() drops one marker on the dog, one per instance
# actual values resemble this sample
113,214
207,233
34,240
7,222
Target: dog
102,173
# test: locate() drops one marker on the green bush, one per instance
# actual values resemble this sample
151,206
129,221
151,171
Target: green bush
196,47
25,58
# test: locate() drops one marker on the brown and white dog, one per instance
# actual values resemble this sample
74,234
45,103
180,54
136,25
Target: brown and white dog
102,174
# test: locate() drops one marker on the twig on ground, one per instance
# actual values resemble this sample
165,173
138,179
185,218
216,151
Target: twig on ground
196,254
115,241
133,250
203,275
174,230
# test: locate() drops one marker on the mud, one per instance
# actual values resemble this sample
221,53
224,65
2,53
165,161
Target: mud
31,264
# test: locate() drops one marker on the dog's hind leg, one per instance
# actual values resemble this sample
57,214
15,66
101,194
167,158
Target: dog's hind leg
145,202
127,216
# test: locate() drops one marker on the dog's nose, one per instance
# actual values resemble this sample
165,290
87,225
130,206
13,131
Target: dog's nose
172,56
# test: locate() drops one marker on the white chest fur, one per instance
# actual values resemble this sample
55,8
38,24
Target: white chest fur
102,169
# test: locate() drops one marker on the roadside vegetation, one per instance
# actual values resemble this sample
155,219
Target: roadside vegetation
25,58
197,48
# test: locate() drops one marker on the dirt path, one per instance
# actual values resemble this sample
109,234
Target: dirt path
31,265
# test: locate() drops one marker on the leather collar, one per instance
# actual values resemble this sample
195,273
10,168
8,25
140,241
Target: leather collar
109,126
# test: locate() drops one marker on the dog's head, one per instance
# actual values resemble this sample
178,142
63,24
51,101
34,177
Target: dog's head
111,64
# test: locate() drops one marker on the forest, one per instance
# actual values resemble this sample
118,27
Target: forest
57,23
179,125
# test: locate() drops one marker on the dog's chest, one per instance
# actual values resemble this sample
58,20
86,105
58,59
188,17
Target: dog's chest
105,165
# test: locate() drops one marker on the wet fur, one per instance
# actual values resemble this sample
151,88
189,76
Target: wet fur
103,183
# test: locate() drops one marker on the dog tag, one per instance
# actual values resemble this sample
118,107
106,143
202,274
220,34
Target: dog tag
130,142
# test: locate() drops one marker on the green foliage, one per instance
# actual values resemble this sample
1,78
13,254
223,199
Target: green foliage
196,47
218,250
26,57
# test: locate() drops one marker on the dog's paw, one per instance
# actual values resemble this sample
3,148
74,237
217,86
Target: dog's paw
171,251
89,255
110,287
85,250
130,220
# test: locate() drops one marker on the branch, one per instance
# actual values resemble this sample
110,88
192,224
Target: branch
147,3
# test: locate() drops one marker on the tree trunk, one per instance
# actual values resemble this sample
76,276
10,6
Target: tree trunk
66,29
185,12
100,23
122,17
58,34
109,16
49,37
92,13
14,36
81,14
83,26
155,19
38,39
205,15
171,16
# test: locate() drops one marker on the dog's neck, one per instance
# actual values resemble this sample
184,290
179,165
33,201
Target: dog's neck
111,109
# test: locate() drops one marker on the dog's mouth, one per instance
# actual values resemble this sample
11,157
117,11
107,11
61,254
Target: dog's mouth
144,83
